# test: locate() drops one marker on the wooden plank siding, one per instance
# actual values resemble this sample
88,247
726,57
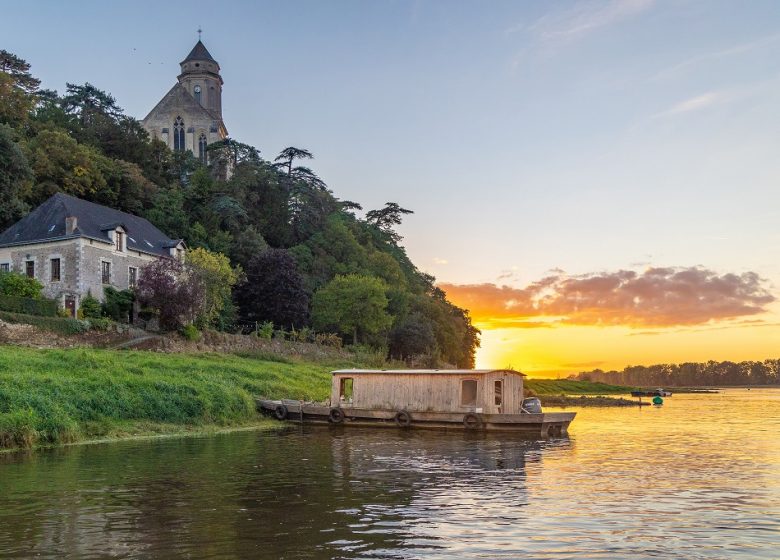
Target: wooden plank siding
429,392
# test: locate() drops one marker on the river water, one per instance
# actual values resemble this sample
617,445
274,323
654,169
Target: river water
698,477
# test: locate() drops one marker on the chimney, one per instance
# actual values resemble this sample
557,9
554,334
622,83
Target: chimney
71,224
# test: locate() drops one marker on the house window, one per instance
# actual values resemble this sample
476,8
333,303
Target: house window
29,268
498,393
55,270
468,392
5,267
178,135
132,277
197,93
202,147
119,237
105,271
345,390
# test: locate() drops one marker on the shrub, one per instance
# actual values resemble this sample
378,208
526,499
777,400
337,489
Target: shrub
171,288
100,324
190,332
19,285
328,339
90,307
265,330
118,304
28,306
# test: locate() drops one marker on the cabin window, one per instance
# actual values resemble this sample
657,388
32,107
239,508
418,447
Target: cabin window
498,391
468,392
55,270
30,269
345,389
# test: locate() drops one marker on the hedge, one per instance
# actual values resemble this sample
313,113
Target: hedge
28,306
61,325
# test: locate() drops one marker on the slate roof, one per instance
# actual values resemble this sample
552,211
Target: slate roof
199,52
47,223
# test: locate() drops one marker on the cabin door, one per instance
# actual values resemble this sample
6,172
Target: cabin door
498,396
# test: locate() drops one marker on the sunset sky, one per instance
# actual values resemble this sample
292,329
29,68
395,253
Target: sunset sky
597,181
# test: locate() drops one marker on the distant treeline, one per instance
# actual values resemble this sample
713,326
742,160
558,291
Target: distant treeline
690,374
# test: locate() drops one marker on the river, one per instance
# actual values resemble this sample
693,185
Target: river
698,477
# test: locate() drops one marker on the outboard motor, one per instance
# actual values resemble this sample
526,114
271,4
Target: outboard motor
532,405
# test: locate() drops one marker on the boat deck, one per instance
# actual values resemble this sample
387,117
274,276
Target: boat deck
544,424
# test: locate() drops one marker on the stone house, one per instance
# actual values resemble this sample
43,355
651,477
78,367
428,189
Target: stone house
189,116
74,247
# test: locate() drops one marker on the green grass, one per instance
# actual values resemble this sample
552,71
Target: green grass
61,396
569,387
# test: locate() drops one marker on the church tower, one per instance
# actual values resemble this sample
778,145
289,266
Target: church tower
200,77
189,117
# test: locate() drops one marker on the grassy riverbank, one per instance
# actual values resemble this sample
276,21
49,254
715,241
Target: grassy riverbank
62,396
568,387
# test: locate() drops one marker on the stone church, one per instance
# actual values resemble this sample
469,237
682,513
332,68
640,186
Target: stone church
189,117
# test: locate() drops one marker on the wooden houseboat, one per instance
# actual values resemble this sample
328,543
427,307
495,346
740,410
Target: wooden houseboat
478,400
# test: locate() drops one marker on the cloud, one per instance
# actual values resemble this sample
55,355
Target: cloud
655,298
716,55
695,103
584,18
437,260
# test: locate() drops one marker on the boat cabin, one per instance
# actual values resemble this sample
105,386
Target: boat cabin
488,391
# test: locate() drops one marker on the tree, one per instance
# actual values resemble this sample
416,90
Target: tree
173,290
352,304
19,285
15,175
287,156
19,71
412,336
218,279
273,291
387,218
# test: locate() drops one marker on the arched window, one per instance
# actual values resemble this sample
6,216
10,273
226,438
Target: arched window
178,135
197,93
202,147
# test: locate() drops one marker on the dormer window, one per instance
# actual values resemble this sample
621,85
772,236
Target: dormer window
197,93
119,239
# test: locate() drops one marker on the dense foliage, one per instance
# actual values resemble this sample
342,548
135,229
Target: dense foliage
691,374
239,205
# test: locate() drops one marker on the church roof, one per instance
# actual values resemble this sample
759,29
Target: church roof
199,52
47,223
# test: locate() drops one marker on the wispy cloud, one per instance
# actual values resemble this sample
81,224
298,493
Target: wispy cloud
696,103
714,56
584,18
655,298
440,261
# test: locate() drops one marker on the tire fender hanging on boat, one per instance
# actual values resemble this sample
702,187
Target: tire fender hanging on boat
336,415
403,419
281,412
472,421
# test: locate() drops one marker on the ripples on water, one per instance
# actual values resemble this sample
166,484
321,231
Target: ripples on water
696,478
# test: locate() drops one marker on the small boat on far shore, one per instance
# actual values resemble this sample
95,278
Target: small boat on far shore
651,393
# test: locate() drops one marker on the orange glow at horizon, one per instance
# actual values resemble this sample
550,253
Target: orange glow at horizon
563,350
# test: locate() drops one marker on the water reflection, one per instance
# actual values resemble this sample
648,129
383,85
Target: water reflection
687,480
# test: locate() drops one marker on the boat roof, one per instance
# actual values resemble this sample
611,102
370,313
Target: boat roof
424,371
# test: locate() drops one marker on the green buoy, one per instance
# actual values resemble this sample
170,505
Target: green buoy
657,400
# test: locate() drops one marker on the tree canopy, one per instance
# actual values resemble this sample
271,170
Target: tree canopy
275,219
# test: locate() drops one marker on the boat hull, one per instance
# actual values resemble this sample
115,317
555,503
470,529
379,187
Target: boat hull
550,424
